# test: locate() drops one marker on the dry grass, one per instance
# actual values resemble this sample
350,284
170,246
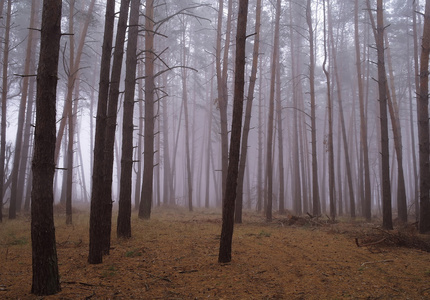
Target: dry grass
174,256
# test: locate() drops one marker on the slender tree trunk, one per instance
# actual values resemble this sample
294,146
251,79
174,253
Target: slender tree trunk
46,279
124,211
209,144
98,191
187,126
12,206
138,183
148,156
297,201
280,143
330,126
423,126
315,187
366,203
247,122
222,85
233,167
260,144
378,31
402,209
275,62
342,121
417,92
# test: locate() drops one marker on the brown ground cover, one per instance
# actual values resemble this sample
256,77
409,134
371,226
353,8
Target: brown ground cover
174,256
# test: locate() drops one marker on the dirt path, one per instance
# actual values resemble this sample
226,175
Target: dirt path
174,256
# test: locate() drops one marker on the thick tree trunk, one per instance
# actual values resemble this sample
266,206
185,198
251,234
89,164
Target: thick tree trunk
423,126
148,156
230,193
98,190
124,211
46,279
247,122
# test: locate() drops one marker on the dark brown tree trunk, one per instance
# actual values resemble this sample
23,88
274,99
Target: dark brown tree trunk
124,211
315,186
98,190
111,121
366,202
46,279
423,126
236,128
148,152
378,30
247,122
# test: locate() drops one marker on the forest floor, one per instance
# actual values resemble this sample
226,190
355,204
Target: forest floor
174,256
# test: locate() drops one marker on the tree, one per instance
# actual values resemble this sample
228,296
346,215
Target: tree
148,151
224,255
46,280
124,211
275,65
366,202
331,175
3,109
378,31
315,186
98,190
423,126
247,122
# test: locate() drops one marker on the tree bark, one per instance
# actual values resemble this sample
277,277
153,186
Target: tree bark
124,211
148,156
247,122
98,190
378,31
423,126
230,193
46,280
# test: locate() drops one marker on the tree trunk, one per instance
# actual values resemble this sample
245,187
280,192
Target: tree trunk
12,206
378,31
148,152
230,193
315,187
187,126
46,279
137,188
342,121
247,122
331,175
124,211
366,203
98,190
423,126
402,209
275,63
222,86
280,142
